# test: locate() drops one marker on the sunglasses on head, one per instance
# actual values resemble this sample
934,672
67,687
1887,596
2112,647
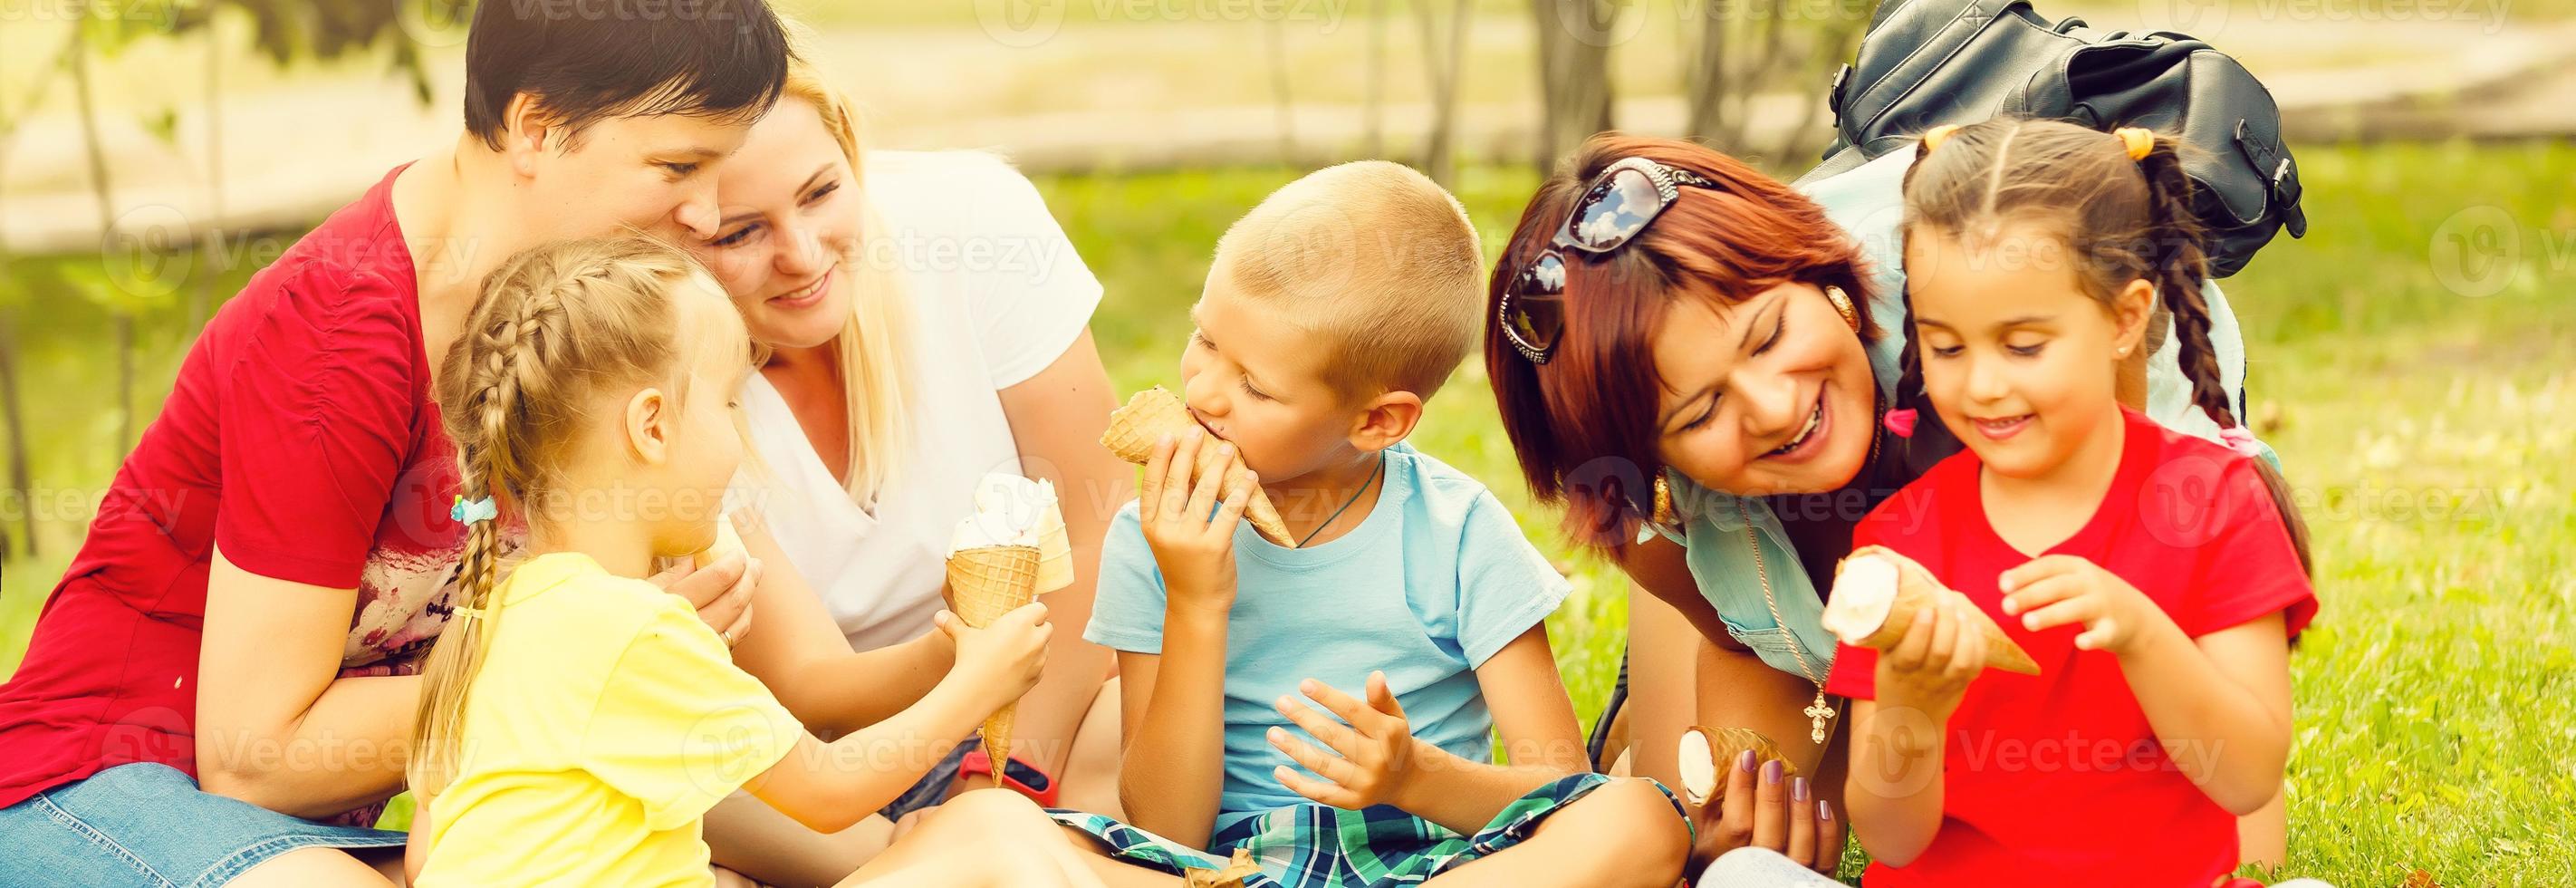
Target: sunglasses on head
1618,205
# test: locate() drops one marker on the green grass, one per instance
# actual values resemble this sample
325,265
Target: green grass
2431,436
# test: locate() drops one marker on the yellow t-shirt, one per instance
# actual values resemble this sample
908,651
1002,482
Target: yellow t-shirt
606,720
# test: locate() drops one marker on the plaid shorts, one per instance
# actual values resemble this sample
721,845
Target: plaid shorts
1318,846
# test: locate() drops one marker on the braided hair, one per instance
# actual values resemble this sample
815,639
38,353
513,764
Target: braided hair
552,328
2126,215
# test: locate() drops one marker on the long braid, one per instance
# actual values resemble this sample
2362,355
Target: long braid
2180,269
2179,266
550,325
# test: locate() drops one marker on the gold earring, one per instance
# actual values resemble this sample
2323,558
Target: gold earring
1663,501
1842,303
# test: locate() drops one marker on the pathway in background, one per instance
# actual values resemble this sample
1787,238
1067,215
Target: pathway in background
1154,95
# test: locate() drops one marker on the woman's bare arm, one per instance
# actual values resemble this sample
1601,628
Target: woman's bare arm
276,724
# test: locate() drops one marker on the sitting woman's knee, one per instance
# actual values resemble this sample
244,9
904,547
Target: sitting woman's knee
1647,814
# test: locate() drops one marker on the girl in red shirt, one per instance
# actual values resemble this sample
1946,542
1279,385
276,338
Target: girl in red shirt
2153,576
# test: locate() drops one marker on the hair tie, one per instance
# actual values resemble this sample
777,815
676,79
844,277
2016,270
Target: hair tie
2139,140
1899,422
470,511
1932,138
2238,439
465,612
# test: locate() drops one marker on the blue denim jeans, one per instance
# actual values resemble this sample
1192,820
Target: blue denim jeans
149,825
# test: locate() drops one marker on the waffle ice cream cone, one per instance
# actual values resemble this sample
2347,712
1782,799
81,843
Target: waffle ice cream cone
1876,592
1706,753
1155,412
984,583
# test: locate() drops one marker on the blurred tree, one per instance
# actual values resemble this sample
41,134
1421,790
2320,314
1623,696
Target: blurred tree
1375,147
1574,39
1739,56
283,31
105,35
1439,156
1277,34
13,295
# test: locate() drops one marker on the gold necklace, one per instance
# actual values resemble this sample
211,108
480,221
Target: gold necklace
1817,712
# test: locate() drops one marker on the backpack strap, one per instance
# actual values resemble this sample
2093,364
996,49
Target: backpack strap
2281,177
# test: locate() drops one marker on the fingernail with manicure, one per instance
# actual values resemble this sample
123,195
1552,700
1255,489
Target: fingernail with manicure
1824,811
1798,789
1745,761
1770,772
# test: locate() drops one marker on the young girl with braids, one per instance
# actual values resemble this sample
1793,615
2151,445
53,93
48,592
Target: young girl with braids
2152,575
575,721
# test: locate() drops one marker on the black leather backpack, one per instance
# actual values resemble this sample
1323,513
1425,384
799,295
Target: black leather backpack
1929,62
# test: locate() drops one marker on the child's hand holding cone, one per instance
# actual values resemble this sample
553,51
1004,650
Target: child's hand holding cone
999,661
1194,549
1155,415
1878,593
995,560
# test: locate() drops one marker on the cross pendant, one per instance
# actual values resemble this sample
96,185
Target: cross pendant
1819,712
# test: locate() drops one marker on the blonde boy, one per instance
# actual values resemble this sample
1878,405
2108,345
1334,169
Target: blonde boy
1332,312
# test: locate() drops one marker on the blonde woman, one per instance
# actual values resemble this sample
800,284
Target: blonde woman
926,323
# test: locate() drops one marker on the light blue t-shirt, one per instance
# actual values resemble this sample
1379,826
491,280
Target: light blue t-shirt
1434,581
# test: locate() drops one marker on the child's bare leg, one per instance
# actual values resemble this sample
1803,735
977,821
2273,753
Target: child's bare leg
986,837
2263,837
1624,834
749,837
1090,778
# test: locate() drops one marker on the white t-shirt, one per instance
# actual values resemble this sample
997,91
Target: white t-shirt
998,294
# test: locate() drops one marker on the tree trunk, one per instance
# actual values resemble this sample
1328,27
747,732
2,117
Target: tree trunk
1277,35
1375,145
12,417
1439,159
1752,79
1705,89
106,226
1574,74
1833,45
210,239
9,413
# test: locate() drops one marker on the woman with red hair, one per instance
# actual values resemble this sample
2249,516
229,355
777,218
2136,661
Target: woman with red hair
1698,362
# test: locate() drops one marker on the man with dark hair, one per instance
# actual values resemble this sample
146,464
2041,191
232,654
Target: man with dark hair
222,687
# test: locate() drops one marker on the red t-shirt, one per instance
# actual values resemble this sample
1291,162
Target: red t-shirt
301,439
2056,779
